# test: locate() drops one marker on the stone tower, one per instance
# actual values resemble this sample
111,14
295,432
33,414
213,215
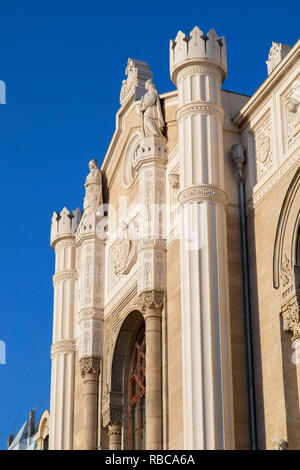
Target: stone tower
198,67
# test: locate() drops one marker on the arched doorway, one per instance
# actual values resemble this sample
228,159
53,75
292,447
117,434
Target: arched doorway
128,386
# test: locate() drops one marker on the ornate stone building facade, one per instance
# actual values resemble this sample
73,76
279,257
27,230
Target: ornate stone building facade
177,288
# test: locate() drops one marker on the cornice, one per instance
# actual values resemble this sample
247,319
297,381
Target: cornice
262,92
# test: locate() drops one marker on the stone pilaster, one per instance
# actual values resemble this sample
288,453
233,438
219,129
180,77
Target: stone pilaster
198,67
150,164
91,300
64,225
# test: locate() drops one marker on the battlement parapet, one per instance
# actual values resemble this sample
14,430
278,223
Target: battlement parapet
197,49
64,224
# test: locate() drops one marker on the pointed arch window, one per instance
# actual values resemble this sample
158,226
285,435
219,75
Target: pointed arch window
137,393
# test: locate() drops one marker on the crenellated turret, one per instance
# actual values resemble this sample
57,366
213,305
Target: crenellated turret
198,67
197,48
64,224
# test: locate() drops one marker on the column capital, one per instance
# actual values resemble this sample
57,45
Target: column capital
90,365
291,317
151,300
112,415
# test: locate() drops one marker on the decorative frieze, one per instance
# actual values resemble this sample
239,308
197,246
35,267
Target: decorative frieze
203,193
261,192
206,108
65,276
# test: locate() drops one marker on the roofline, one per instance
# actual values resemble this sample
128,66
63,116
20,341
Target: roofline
266,86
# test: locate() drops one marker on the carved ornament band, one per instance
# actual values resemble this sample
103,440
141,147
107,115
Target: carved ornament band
89,365
198,69
87,313
63,346
203,193
200,107
66,241
71,275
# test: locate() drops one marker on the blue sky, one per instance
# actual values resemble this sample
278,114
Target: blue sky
63,63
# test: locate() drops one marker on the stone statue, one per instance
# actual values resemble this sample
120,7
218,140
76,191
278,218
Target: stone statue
93,187
151,114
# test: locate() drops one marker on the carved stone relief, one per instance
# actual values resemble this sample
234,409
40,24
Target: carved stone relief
137,72
263,148
277,53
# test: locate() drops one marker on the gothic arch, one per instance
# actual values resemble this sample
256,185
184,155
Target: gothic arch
287,235
116,408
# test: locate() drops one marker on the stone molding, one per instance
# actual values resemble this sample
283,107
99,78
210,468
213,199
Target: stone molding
198,69
151,149
85,313
89,365
63,346
260,191
200,107
203,193
67,275
68,241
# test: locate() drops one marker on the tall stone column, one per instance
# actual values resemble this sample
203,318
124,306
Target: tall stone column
150,164
198,67
91,245
115,436
151,307
64,225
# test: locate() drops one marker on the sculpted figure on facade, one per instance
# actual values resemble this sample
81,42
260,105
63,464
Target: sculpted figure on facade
93,187
151,114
